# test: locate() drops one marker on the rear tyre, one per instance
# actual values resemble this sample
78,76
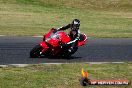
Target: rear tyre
35,52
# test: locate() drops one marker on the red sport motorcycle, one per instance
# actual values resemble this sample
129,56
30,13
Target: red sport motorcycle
52,45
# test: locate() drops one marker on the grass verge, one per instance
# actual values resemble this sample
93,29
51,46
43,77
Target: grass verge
62,75
107,18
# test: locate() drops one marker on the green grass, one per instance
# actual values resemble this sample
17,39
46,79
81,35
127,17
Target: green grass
62,75
103,18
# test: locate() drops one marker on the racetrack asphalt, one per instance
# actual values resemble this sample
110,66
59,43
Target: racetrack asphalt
15,50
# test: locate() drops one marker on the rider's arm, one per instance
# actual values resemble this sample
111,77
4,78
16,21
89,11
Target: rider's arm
64,27
76,38
73,41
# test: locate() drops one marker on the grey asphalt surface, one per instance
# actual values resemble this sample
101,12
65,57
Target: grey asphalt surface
15,50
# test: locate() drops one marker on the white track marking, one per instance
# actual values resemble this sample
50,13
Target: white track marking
25,65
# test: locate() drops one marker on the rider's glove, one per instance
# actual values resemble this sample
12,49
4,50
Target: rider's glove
55,30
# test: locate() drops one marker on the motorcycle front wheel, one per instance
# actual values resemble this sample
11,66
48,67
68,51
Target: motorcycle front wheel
35,52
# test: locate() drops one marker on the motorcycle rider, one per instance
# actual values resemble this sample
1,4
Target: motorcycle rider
74,33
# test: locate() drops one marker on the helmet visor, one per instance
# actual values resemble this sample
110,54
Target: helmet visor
76,26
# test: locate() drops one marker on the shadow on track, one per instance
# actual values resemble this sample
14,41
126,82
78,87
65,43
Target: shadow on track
53,57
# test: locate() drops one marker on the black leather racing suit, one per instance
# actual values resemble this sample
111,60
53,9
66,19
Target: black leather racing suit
74,35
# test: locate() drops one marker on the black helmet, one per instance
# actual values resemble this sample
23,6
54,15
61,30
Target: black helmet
75,24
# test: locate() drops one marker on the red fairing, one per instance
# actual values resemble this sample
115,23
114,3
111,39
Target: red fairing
54,42
60,36
43,44
64,37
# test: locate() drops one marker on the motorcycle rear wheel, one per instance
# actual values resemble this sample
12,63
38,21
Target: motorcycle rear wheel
35,52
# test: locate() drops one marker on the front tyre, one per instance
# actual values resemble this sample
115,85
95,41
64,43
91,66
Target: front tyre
35,52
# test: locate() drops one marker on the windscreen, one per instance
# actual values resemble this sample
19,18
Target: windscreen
53,36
